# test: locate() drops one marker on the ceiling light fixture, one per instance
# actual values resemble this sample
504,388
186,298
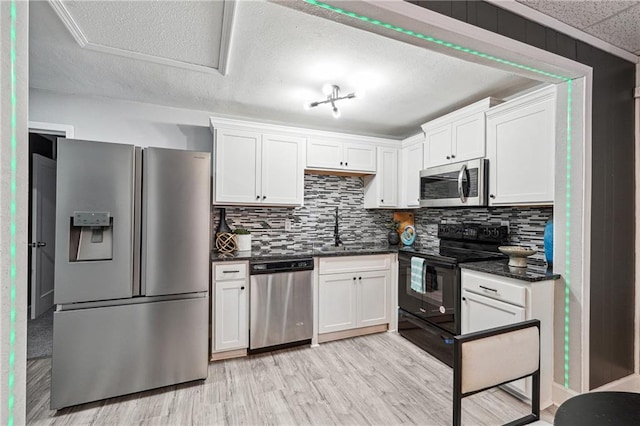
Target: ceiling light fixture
333,95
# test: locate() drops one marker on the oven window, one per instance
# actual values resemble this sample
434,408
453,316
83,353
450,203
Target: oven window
437,303
445,185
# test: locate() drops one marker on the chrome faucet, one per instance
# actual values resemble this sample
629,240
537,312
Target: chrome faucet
336,232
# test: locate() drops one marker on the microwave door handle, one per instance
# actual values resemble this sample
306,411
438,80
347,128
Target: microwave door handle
463,171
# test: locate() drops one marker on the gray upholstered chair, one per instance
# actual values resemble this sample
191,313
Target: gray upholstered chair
494,357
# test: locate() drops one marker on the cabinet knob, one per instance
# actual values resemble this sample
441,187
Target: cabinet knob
354,278
242,288
464,299
257,197
453,156
382,201
341,163
346,164
448,158
360,278
264,197
492,196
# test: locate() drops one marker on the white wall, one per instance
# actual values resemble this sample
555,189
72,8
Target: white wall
109,120
13,290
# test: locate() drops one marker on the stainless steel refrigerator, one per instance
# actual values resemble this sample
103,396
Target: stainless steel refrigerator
131,270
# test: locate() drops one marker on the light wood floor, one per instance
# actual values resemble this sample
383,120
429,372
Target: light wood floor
380,379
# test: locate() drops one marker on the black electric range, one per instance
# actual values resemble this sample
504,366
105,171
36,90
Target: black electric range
429,310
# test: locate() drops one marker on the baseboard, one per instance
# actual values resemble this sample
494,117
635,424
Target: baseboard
630,383
336,335
218,356
560,394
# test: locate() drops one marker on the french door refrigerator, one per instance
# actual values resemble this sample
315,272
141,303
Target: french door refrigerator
131,270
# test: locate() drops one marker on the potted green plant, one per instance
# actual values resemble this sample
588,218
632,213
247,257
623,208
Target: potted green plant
244,239
393,237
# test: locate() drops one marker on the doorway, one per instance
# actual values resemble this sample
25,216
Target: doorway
41,238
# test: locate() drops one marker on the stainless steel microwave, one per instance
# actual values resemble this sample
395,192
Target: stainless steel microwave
455,185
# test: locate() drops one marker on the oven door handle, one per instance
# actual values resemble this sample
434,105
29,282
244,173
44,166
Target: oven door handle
463,170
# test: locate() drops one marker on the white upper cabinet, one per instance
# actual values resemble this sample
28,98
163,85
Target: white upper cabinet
282,170
412,163
237,163
458,136
253,168
520,149
325,153
382,189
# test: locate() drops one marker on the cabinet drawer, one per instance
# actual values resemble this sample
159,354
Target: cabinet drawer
494,287
229,271
344,264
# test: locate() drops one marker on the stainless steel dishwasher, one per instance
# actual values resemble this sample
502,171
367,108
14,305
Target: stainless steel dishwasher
281,308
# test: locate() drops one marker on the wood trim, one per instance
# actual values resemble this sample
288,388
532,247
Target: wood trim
218,356
345,334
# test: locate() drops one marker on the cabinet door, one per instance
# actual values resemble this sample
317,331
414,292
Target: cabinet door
324,154
373,298
411,170
468,138
388,172
481,313
237,166
520,148
282,170
337,302
437,146
359,157
231,316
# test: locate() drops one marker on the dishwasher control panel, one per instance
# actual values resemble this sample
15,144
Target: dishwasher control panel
275,266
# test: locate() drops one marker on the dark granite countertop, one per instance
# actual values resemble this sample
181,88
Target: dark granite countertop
283,254
535,271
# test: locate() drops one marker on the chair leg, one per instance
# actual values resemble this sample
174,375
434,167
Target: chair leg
535,394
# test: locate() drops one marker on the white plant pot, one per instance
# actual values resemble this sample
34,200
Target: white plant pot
244,242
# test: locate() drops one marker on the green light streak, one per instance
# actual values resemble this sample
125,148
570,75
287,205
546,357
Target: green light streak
12,220
567,260
567,289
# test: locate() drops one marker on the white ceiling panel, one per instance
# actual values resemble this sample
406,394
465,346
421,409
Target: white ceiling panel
622,30
579,14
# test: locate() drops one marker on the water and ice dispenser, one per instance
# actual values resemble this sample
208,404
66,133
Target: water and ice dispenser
90,236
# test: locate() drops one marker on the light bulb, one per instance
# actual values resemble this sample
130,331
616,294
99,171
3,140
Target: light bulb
327,89
307,105
336,112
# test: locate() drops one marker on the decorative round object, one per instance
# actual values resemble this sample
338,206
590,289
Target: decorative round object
408,236
226,242
517,255
393,237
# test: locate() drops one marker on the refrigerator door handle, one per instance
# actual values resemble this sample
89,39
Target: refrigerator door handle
137,219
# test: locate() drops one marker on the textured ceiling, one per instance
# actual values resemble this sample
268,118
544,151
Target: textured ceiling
617,22
279,58
164,29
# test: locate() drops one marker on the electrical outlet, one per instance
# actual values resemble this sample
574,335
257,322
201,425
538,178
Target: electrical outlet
287,224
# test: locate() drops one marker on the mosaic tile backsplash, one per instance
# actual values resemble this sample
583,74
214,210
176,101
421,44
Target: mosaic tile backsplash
313,223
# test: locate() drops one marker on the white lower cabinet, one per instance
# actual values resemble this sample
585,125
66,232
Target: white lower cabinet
356,299
490,301
230,308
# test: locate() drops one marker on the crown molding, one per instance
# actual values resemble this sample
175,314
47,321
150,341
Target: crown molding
225,41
